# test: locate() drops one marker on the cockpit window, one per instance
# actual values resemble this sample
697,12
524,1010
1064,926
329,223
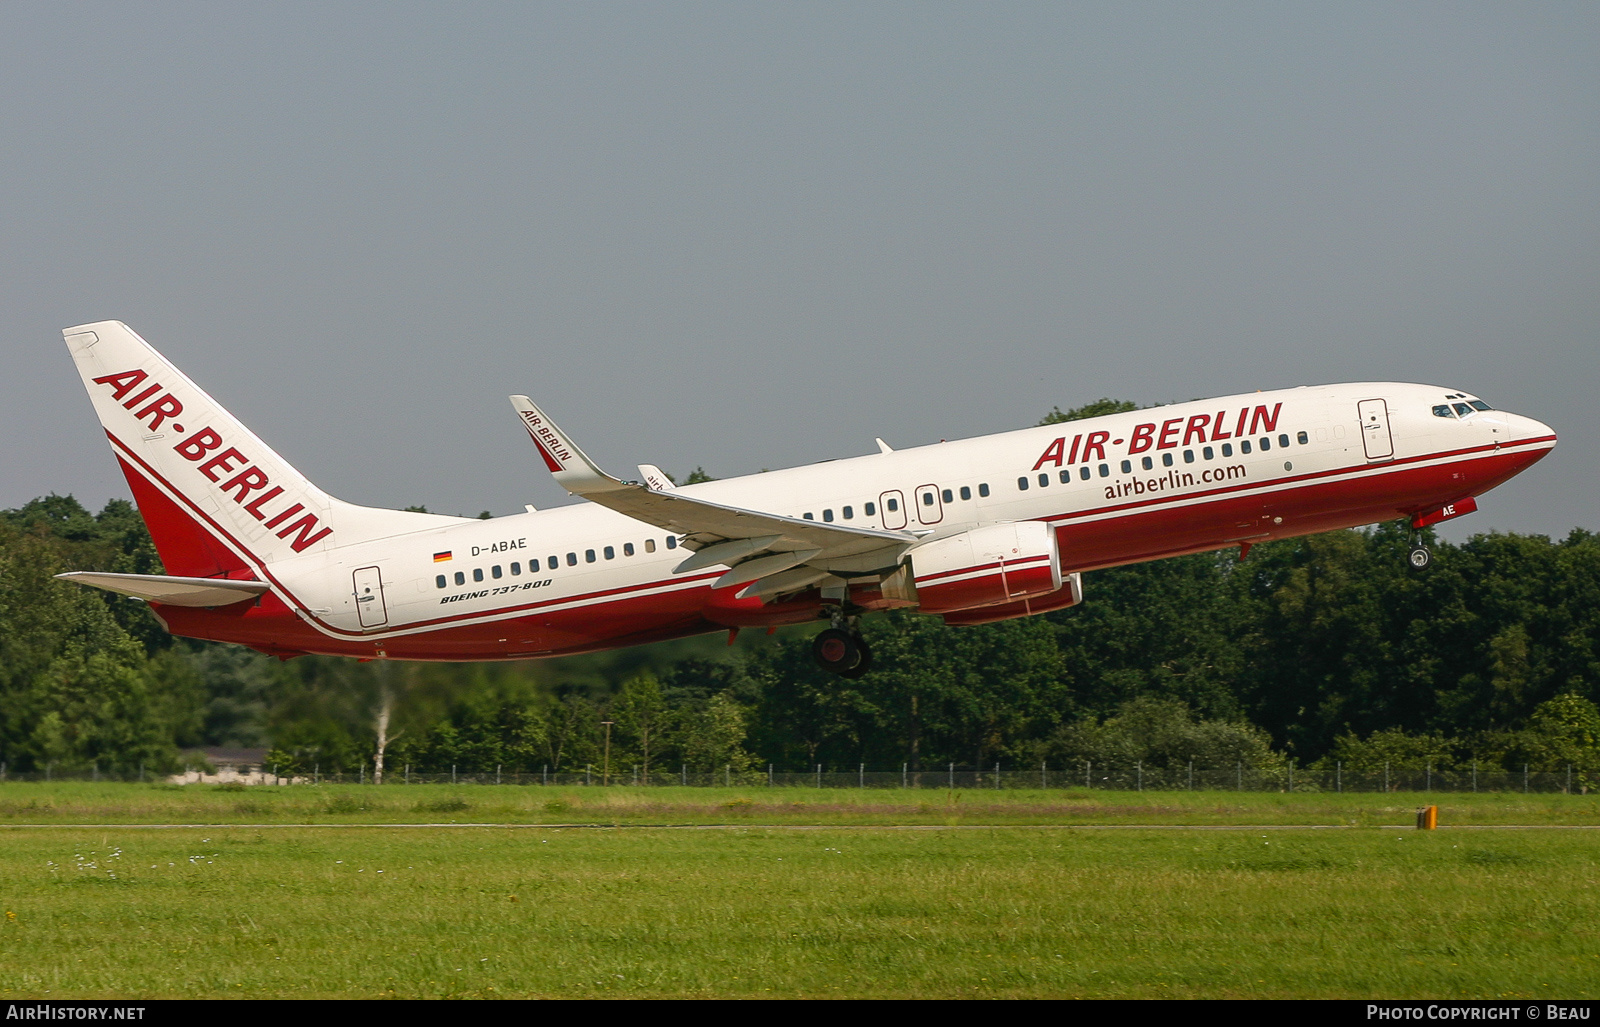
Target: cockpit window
1442,410
1479,404
1462,410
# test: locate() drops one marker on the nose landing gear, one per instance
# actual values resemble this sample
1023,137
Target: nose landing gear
1419,557
841,650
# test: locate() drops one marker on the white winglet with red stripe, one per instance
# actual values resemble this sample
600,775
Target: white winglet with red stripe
573,469
703,523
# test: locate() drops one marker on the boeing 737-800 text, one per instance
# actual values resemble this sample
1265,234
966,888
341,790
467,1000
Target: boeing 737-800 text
974,531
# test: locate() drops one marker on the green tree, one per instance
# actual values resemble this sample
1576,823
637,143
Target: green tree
641,712
713,735
1163,737
1098,408
1390,753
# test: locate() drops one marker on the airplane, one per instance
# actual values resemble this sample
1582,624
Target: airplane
974,531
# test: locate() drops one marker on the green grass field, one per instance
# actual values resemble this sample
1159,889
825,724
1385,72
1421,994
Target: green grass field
760,909
109,803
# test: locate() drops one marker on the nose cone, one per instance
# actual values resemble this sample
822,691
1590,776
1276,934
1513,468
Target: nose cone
1527,430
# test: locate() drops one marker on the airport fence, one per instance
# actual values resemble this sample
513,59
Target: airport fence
1324,776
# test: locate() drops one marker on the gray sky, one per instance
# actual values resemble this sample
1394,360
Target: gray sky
756,235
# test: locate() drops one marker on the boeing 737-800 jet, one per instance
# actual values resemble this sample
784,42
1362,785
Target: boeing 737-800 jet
974,531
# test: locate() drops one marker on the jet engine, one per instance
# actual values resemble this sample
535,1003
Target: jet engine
994,565
1069,594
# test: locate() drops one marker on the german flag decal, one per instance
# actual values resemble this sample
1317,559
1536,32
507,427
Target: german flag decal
441,557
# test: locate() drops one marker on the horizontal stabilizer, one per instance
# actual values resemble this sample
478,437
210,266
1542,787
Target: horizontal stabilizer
160,588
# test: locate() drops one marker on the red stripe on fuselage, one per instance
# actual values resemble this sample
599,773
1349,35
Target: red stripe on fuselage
665,608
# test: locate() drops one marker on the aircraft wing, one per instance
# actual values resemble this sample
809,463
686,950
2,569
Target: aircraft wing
755,544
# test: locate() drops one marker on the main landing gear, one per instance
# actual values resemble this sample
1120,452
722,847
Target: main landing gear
841,650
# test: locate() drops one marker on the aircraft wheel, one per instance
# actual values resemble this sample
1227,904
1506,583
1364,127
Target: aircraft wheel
836,651
862,665
1419,558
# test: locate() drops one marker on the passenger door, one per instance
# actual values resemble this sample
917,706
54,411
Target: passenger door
1375,435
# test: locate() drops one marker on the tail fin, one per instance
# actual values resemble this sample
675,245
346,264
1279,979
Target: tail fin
217,499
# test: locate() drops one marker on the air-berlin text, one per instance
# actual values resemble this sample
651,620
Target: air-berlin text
549,443
233,472
1196,429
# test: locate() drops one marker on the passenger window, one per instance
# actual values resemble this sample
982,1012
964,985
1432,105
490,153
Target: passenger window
572,559
672,542
948,498
649,545
439,582
1166,459
809,516
1127,466
1044,479
871,509
461,579
849,512
1188,456
1143,462
1301,438
553,563
1083,472
1244,447
1208,453
827,515
627,549
1283,441
588,556
894,504
983,489
966,492
1105,470
1227,449
1442,410
477,574
1266,444
494,571
611,552
516,568
1066,475
1022,483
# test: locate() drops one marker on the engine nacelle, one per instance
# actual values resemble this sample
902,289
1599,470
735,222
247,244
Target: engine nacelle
988,566
1069,594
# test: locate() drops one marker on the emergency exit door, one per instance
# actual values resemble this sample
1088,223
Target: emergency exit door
369,598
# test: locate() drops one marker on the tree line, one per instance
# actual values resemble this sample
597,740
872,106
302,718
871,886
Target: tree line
1313,649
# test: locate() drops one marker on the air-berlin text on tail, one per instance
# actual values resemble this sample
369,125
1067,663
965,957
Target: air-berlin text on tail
1196,429
207,448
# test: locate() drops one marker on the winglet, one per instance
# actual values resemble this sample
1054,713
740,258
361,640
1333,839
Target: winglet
654,477
572,468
